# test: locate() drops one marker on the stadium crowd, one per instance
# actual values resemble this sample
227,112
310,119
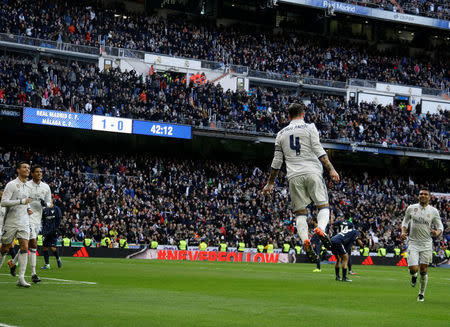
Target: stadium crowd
293,54
428,8
161,97
149,198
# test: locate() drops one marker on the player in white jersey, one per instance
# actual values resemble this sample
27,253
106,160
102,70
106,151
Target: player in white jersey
299,146
16,199
424,222
2,215
40,195
12,251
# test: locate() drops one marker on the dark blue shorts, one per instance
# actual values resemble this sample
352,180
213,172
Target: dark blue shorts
338,248
50,240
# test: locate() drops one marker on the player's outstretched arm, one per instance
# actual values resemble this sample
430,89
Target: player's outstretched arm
329,167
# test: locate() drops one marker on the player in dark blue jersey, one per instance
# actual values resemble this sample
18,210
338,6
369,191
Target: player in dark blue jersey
316,244
341,245
51,218
342,226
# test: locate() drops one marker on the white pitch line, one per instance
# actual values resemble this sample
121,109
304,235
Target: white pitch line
5,325
63,280
53,283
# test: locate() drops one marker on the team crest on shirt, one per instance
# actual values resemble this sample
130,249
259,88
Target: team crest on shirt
415,209
18,186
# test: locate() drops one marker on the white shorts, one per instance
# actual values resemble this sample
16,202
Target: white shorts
305,188
10,233
419,254
34,230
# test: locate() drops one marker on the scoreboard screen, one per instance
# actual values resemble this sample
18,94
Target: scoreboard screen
104,123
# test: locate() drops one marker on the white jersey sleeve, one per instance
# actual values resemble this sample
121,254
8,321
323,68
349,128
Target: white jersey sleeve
277,161
7,198
407,218
436,220
2,217
316,146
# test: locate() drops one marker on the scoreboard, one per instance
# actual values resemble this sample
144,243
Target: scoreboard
104,123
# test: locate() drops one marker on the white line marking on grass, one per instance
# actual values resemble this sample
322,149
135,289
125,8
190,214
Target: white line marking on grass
63,280
47,283
5,325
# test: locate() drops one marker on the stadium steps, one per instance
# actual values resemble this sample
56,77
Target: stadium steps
220,77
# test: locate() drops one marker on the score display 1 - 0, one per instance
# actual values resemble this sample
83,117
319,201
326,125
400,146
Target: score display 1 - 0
112,124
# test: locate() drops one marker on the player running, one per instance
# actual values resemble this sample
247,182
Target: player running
341,246
51,219
421,217
16,199
298,144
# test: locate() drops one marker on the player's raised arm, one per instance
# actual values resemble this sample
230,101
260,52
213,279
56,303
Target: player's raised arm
277,162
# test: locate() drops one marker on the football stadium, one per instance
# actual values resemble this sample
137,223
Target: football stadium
224,163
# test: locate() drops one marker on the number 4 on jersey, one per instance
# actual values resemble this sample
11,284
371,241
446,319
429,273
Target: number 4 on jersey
295,145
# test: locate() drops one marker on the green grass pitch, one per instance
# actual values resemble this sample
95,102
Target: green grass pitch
120,292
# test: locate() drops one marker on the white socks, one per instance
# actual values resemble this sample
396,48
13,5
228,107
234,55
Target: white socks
33,261
2,259
16,258
323,217
302,227
423,283
22,263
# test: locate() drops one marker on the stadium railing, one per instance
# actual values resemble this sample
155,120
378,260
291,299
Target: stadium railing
122,52
306,80
297,79
373,85
273,76
214,65
49,44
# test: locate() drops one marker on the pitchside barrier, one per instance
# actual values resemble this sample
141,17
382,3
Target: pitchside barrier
215,256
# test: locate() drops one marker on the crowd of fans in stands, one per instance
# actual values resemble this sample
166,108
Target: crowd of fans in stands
297,54
145,197
48,84
429,8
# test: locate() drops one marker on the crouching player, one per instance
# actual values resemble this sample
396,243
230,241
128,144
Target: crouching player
51,218
341,245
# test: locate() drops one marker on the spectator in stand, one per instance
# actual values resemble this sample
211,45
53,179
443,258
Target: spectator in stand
80,88
92,24
194,199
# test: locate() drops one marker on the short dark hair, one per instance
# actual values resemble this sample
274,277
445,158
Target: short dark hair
296,109
34,167
20,163
425,189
